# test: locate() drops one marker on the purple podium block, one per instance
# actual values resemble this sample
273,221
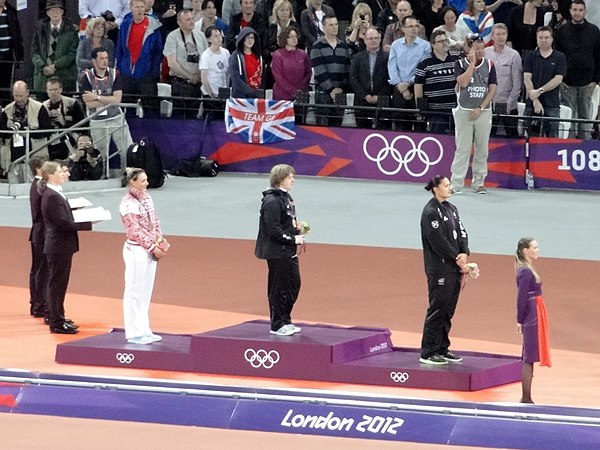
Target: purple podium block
320,352
112,350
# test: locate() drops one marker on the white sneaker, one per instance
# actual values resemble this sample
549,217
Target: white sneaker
154,337
144,340
295,328
285,330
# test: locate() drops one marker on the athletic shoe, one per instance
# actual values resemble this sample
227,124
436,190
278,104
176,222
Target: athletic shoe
435,360
451,357
295,328
286,330
144,340
456,192
154,337
480,190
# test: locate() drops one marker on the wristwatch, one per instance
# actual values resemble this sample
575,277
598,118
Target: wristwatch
542,90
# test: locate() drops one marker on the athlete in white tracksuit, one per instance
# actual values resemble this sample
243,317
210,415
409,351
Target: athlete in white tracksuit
144,246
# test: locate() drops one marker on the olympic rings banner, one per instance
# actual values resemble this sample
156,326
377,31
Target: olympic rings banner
375,154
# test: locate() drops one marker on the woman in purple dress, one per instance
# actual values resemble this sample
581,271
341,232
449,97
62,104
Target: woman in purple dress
531,314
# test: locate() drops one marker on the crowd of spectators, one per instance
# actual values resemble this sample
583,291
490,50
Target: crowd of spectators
266,44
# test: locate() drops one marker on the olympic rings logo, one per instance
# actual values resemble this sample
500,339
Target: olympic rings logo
415,152
125,358
261,358
399,377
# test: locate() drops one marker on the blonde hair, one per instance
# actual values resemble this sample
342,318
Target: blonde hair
521,261
364,9
279,4
93,23
131,174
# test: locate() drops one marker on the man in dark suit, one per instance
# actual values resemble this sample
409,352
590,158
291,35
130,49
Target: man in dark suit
60,244
369,78
38,273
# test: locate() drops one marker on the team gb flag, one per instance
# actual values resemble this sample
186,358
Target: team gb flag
259,121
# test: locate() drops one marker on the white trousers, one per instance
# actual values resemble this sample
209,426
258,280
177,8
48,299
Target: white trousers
470,134
140,270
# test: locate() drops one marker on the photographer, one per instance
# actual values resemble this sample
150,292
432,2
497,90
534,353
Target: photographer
362,19
22,114
183,48
64,112
86,163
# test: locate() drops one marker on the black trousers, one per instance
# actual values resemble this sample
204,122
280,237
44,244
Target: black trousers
443,297
282,289
59,270
38,279
328,117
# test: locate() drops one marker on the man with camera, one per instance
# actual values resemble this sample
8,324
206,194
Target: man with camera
183,48
22,114
64,112
87,162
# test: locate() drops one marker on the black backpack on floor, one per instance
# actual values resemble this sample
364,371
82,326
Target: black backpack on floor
145,155
196,167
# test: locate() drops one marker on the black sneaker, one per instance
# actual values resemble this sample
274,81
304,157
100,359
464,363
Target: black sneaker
451,357
435,360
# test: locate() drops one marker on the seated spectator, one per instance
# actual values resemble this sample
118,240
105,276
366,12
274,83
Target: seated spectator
477,22
95,36
53,48
64,112
522,24
395,31
362,20
87,162
214,65
183,48
435,84
387,16
139,51
312,20
282,17
291,66
430,16
456,36
369,78
23,112
247,18
209,18
113,11
246,65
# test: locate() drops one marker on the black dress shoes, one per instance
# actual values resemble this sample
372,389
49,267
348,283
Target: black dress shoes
64,328
68,322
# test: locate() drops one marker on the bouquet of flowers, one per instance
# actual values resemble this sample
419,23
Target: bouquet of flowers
304,227
472,270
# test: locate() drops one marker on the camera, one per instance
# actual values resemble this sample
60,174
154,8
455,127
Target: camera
195,59
108,16
90,150
362,16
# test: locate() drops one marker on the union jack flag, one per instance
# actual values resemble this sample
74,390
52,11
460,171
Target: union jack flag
260,121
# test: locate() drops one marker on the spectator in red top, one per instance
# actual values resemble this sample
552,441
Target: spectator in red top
139,51
246,65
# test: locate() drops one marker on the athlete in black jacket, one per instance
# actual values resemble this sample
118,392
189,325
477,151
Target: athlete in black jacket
278,237
445,250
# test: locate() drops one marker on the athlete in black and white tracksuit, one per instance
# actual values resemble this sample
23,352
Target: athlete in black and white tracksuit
278,236
444,239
